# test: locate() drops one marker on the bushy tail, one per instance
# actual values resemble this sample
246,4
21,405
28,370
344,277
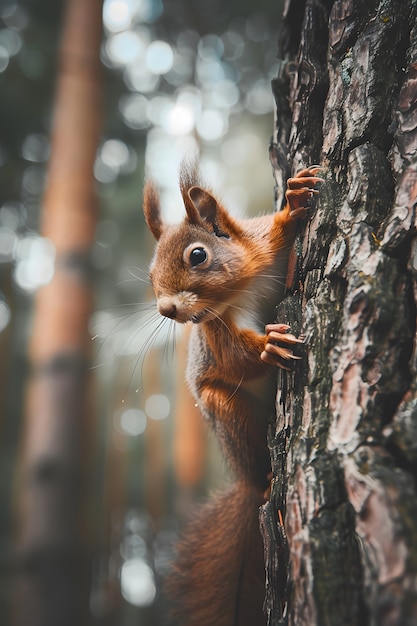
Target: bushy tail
218,578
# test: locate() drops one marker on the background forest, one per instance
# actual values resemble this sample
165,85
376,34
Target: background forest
178,78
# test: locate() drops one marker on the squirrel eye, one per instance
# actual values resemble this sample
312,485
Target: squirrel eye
198,256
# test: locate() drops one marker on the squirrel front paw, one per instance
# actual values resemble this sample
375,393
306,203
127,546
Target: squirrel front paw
300,190
275,353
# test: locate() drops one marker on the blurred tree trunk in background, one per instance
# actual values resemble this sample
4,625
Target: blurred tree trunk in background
52,527
340,530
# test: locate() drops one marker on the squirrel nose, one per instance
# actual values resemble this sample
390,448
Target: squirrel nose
167,307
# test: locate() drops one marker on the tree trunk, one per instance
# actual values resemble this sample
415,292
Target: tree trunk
340,530
54,582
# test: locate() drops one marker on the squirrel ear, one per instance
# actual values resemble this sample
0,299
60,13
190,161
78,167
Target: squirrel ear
205,204
152,210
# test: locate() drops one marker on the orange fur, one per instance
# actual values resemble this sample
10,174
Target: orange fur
214,270
218,577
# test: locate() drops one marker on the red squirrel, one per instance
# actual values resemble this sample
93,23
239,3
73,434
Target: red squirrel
226,276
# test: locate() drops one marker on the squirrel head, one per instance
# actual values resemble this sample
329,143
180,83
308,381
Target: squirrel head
198,267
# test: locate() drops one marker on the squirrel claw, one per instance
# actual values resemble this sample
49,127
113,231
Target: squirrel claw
299,213
300,191
309,171
276,354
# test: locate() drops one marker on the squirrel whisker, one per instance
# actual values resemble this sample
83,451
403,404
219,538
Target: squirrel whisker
134,277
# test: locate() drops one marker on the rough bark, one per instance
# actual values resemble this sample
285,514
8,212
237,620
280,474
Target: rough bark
53,584
340,532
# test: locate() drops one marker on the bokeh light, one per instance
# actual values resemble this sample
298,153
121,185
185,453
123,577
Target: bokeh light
131,422
212,125
117,14
137,582
114,158
35,148
179,119
125,48
159,57
7,244
35,262
157,406
13,15
139,78
4,58
134,111
10,40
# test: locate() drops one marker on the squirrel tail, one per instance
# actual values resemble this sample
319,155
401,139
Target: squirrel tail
218,578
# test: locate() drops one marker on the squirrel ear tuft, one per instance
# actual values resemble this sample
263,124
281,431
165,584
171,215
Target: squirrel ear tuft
152,210
205,204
